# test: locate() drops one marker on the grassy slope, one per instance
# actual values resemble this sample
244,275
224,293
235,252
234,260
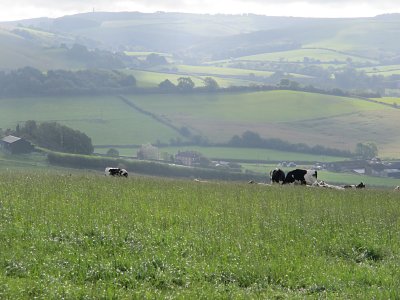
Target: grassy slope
297,117
17,52
96,237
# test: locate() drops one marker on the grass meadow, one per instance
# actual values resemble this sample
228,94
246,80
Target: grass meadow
85,236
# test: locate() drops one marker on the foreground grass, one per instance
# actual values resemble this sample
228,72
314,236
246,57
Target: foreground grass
87,236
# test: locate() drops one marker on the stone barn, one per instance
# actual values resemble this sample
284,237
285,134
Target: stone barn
15,145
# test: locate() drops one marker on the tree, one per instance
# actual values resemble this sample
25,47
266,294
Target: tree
154,59
57,137
210,84
366,151
112,152
185,83
167,85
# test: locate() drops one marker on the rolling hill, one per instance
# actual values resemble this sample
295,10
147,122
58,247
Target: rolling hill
297,117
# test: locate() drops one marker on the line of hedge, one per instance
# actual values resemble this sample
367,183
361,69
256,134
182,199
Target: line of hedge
147,168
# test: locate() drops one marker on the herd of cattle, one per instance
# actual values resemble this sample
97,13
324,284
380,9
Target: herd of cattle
306,177
277,176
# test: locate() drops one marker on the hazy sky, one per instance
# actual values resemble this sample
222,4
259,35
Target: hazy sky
19,9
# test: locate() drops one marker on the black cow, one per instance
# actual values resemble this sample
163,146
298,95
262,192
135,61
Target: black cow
361,185
277,176
116,172
301,176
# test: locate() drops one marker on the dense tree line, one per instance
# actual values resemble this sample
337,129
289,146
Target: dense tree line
29,81
251,139
57,137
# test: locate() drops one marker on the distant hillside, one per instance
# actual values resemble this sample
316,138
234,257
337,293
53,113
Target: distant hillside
316,52
226,35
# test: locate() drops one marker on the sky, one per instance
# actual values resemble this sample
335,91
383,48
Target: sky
24,9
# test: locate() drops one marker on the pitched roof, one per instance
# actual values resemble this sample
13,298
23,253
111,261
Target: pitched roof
10,139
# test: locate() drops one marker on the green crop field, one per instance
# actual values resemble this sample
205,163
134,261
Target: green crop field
84,236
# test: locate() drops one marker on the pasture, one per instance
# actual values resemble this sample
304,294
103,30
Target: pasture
91,236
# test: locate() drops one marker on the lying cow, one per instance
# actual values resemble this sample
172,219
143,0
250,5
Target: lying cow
361,185
277,176
326,185
301,176
116,172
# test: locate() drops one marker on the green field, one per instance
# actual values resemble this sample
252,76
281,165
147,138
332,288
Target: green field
336,122
106,119
236,153
85,236
148,79
297,117
389,100
321,55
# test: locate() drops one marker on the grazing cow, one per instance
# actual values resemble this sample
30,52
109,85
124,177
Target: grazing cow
277,176
361,185
301,176
397,188
116,172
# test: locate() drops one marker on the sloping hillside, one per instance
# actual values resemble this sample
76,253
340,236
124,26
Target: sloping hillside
28,47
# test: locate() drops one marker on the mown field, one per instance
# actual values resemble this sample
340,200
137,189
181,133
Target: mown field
87,236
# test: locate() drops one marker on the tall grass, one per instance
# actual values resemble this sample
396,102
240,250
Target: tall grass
88,236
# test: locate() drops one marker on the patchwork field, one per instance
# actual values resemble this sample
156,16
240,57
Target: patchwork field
298,117
91,236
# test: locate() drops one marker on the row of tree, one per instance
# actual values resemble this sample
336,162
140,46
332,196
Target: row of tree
251,139
30,81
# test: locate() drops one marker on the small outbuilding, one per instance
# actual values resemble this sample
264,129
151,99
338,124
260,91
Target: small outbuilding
15,145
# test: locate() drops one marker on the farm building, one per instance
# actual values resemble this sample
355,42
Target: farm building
187,158
15,145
